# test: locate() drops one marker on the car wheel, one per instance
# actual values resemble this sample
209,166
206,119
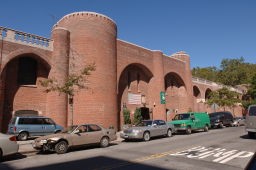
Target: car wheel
206,128
23,136
221,125
188,130
1,155
251,134
104,142
146,136
169,133
61,147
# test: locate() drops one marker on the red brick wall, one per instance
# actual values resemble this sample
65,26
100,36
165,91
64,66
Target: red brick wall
82,38
93,39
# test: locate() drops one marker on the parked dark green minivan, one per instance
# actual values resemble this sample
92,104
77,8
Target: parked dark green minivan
191,121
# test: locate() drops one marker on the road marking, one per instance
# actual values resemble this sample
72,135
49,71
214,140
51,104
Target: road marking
218,155
142,159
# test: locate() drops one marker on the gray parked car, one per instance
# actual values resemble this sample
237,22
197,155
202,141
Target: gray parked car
147,129
29,126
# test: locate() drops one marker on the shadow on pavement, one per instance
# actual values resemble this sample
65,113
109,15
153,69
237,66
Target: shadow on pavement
96,163
247,137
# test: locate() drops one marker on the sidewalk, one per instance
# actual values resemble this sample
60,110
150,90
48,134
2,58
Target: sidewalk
25,147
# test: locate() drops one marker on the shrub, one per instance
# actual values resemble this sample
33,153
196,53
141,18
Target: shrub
137,116
126,114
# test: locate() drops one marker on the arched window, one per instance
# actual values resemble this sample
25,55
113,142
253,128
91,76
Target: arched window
27,71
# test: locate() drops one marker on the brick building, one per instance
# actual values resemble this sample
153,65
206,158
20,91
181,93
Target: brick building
126,75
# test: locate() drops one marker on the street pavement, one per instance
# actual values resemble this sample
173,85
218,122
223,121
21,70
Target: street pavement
26,148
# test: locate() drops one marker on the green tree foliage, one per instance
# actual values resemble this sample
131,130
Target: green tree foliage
208,73
73,83
223,97
232,72
252,88
137,116
126,114
250,97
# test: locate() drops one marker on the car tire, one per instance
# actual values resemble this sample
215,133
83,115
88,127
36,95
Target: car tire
22,136
169,133
61,147
146,136
251,135
206,128
1,155
221,125
104,142
188,130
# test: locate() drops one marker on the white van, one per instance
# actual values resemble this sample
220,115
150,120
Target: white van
250,121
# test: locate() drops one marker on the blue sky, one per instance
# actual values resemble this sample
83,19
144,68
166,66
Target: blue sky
208,30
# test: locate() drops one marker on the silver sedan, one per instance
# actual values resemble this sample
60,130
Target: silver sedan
147,129
8,145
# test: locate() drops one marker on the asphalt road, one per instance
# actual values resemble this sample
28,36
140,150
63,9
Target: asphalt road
227,148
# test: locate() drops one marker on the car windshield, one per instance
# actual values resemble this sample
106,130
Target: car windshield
145,123
252,111
184,116
213,115
69,129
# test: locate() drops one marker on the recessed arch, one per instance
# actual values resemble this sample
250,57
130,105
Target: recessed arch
45,59
196,92
134,79
207,93
176,93
173,79
21,76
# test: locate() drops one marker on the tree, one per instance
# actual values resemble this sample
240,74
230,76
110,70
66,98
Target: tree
73,83
251,94
126,113
208,73
223,97
137,116
232,72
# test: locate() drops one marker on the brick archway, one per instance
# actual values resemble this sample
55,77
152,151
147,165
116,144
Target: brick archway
176,93
133,82
17,94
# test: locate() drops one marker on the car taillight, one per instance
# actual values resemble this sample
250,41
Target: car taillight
14,129
13,138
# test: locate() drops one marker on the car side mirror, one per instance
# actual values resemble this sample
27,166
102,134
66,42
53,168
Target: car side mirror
154,125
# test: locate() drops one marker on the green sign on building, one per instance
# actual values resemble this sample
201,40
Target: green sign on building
162,97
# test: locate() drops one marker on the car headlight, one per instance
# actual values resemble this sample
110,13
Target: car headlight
136,131
43,141
183,124
51,140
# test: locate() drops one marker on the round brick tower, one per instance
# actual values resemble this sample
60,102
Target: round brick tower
93,40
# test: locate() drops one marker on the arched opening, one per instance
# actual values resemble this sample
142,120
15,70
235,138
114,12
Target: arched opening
207,94
176,94
196,92
21,89
133,90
